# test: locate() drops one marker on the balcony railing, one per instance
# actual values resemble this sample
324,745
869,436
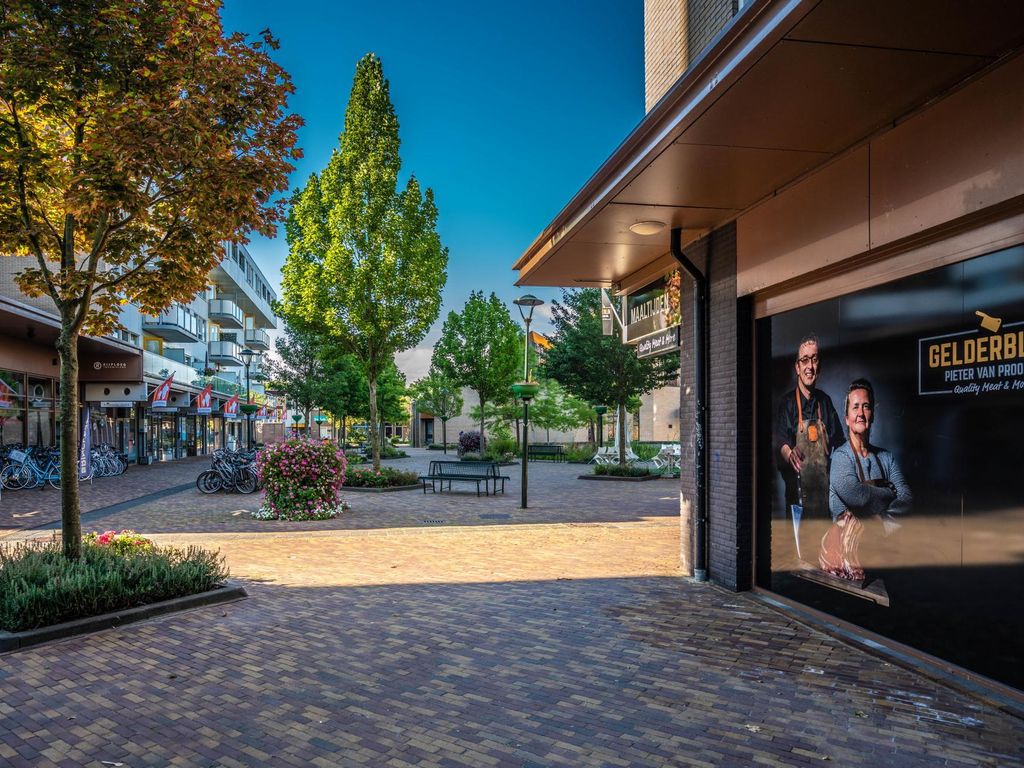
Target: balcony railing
257,339
174,325
225,353
226,313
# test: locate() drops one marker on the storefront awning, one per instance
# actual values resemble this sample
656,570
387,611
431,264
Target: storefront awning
785,88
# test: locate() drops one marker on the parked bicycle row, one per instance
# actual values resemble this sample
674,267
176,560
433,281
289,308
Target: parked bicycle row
232,472
37,466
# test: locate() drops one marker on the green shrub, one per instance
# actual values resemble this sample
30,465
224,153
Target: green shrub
389,451
615,470
500,449
40,587
440,447
580,452
387,477
471,457
645,451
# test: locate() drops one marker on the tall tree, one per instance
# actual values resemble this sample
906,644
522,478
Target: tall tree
440,397
599,368
479,348
297,369
342,390
365,263
554,408
134,138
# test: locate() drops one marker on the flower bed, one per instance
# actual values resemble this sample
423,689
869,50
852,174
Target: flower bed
387,477
39,587
616,470
301,479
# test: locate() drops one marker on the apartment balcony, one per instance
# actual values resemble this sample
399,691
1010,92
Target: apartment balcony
226,313
225,353
257,339
174,325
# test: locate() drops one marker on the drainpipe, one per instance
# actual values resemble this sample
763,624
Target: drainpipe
700,347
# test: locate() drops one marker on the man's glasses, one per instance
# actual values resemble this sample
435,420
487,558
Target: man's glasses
808,359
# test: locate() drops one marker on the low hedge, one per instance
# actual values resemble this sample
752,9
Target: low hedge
616,470
387,477
40,587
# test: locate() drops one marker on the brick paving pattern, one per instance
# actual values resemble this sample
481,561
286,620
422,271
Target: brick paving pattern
538,640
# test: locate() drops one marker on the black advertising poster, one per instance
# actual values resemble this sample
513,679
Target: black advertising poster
890,461
653,309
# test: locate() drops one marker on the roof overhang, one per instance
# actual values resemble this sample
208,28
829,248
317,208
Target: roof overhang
786,87
27,322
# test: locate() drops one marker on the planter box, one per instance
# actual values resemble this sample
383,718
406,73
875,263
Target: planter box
640,479
13,641
387,489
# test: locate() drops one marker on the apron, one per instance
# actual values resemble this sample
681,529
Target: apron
838,555
812,441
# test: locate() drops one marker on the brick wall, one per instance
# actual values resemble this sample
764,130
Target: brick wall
730,427
675,33
706,19
665,41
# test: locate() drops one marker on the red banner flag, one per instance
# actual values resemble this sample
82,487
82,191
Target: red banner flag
162,393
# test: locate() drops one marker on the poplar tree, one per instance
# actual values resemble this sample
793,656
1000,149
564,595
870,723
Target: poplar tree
134,138
365,265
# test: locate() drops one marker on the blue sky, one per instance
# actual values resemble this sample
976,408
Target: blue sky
505,110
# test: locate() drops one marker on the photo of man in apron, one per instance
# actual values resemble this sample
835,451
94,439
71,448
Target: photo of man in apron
807,430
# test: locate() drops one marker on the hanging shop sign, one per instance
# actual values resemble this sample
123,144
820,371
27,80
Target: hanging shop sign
659,343
979,361
652,317
231,408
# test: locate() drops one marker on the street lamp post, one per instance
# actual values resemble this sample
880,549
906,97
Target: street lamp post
527,389
247,356
600,410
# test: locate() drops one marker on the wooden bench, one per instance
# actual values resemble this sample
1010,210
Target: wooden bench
464,471
553,452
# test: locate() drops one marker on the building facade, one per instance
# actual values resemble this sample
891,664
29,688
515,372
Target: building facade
200,343
841,187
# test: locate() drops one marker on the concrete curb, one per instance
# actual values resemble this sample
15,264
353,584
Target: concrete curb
387,489
614,478
14,641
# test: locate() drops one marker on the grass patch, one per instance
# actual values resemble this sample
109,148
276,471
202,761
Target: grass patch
40,587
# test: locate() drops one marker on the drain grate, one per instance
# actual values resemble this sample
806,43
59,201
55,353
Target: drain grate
433,522
496,516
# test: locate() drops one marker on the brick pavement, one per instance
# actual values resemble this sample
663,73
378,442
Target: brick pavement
543,642
32,507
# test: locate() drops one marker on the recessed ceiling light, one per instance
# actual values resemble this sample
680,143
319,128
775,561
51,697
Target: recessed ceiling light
647,227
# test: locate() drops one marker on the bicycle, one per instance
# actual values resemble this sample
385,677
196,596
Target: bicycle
233,471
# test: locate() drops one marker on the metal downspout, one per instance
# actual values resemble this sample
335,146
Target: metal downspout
700,346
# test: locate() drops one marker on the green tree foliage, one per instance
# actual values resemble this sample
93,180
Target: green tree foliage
598,368
134,138
365,263
436,395
480,348
342,391
554,408
297,369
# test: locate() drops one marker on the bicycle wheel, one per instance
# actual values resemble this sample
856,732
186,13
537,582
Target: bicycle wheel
15,476
209,481
53,477
247,480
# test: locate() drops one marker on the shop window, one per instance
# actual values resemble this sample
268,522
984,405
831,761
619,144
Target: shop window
905,514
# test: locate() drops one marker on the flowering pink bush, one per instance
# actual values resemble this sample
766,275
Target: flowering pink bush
124,542
301,479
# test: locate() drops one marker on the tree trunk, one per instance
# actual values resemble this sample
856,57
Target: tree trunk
374,441
482,403
309,430
444,435
70,506
344,430
591,435
622,435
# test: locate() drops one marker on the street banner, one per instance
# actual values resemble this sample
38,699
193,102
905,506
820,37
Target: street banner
85,445
162,393
203,406
231,407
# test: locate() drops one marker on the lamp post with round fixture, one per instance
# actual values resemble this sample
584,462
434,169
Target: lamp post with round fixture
248,409
600,410
527,389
